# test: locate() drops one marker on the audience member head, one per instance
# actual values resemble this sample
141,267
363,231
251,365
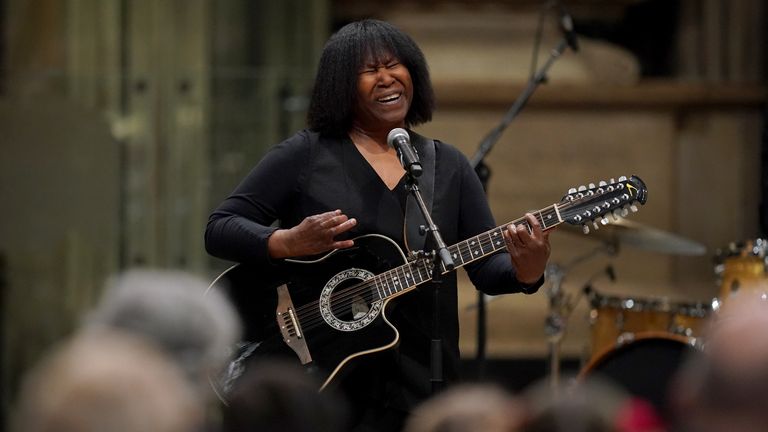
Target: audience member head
170,309
468,408
591,405
107,381
726,387
273,396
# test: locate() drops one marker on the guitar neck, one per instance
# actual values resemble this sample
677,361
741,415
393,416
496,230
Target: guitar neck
486,243
407,276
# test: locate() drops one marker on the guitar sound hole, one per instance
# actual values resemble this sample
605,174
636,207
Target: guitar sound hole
350,302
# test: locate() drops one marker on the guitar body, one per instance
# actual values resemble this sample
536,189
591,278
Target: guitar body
360,327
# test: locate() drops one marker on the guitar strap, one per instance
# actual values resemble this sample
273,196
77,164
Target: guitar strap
414,240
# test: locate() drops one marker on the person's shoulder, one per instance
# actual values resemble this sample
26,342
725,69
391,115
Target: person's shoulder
308,139
301,139
445,151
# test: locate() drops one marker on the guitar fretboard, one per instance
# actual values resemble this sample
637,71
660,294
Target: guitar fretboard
412,274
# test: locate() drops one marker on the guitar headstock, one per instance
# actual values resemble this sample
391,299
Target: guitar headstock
591,204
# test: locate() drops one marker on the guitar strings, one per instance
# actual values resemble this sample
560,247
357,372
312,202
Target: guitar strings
483,238
364,291
392,274
344,299
347,296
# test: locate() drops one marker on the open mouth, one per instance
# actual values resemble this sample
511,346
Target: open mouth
390,98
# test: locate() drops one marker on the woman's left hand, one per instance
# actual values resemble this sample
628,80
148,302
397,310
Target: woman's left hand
529,250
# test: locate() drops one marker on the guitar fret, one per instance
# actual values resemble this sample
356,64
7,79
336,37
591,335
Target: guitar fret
486,245
474,247
497,239
540,220
377,284
402,279
546,218
456,254
388,282
464,253
395,280
418,270
408,277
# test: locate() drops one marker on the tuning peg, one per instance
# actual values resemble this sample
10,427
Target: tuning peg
571,191
602,183
595,225
622,178
633,208
585,229
616,215
604,221
612,180
582,188
591,185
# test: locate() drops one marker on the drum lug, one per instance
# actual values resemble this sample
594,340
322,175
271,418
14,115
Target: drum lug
624,338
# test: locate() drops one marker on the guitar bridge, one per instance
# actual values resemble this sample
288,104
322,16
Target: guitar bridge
290,328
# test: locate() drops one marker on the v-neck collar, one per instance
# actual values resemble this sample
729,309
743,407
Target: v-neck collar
354,152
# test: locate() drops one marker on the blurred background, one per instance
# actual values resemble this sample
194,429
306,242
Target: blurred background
123,123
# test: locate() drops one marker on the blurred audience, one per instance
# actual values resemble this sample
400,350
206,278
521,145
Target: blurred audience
272,396
589,404
468,408
726,388
169,308
107,381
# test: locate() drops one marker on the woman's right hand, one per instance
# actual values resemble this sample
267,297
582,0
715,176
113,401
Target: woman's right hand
315,234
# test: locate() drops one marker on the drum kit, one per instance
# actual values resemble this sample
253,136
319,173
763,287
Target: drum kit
639,342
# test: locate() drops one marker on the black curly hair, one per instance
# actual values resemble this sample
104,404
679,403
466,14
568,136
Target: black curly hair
332,107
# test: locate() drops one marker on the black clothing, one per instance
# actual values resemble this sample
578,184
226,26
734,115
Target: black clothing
309,174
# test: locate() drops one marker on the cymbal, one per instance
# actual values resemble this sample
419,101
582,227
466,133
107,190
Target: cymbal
624,232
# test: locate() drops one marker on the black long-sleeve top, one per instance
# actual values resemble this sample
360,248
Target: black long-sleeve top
308,174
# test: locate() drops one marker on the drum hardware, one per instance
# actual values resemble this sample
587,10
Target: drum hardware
742,268
561,304
678,321
624,338
616,320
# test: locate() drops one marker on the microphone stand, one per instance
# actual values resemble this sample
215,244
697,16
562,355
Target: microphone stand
484,173
441,256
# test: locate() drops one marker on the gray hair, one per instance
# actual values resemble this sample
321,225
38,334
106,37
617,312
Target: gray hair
195,326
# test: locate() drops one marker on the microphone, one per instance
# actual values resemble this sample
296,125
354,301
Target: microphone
566,26
398,139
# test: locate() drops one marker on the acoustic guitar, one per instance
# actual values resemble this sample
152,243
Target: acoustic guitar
326,311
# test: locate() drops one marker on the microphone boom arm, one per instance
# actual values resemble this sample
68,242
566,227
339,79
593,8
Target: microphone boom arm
541,76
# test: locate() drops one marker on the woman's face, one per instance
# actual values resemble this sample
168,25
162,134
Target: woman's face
384,94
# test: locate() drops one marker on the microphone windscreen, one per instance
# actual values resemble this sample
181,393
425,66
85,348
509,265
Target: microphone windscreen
395,134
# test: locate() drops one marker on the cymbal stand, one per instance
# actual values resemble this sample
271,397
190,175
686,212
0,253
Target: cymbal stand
561,304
